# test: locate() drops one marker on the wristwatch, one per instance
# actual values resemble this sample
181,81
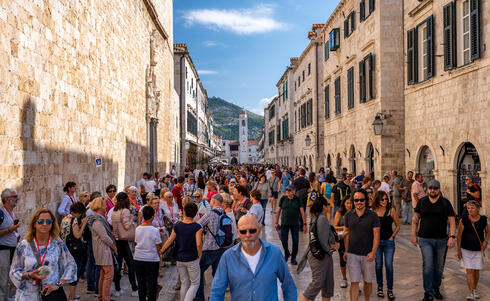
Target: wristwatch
59,284
452,236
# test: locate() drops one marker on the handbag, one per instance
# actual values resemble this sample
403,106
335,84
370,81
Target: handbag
57,295
481,243
74,245
170,253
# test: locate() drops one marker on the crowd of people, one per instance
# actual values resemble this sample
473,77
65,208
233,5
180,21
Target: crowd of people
215,217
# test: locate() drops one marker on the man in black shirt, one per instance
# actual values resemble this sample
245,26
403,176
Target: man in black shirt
361,243
340,190
301,184
433,211
473,192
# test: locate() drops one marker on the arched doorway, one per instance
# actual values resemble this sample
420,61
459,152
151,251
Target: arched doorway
339,166
370,160
426,163
352,159
468,165
311,164
234,161
329,161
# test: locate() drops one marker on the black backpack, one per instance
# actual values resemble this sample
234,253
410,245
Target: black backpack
74,245
316,248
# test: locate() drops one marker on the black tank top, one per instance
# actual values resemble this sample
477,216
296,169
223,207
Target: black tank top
386,222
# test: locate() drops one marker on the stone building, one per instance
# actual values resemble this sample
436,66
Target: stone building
270,121
362,82
81,81
447,88
307,104
195,124
284,108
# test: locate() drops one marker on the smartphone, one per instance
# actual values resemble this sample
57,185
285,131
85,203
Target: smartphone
16,222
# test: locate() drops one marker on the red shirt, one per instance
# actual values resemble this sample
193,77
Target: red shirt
178,193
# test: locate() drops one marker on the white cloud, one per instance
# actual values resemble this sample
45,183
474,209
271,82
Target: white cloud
264,102
211,43
258,19
206,72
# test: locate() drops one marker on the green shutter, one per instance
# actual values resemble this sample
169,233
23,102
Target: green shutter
411,66
370,59
327,102
346,27
362,11
475,29
350,88
449,15
371,6
352,21
362,82
430,47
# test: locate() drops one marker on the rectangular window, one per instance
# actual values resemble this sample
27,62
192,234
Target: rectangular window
278,132
191,124
350,88
309,69
337,96
272,112
327,50
449,17
362,10
327,101
271,137
303,75
370,60
285,128
466,32
420,52
295,122
309,112
286,89
362,81
303,115
349,25
299,81
335,39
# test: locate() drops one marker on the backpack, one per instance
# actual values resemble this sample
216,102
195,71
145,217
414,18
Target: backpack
312,198
74,245
315,246
224,235
328,190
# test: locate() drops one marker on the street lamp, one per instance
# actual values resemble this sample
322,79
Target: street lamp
307,140
378,125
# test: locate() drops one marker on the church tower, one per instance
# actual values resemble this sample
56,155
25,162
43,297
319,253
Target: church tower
243,136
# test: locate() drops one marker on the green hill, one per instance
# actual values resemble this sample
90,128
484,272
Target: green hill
226,120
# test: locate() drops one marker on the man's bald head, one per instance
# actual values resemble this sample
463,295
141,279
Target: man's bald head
168,195
248,221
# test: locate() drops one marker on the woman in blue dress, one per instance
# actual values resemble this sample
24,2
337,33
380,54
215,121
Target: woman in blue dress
42,262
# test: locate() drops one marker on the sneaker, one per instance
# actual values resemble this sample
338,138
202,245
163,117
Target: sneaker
77,297
427,297
475,293
344,284
470,297
117,293
134,294
438,295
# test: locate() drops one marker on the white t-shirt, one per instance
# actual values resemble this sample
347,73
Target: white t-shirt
196,173
141,182
268,174
253,260
150,186
258,211
146,238
385,187
109,216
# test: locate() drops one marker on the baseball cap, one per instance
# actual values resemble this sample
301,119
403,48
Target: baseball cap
290,187
232,180
434,183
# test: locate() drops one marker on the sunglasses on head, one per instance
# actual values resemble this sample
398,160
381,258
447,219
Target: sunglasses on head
359,200
434,188
42,221
251,231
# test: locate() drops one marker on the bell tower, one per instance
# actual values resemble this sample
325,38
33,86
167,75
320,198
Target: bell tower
243,136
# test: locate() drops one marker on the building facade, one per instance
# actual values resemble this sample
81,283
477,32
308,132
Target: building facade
243,136
75,93
195,122
447,90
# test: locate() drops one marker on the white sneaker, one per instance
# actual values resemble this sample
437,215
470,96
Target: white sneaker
344,284
470,297
476,295
117,293
134,294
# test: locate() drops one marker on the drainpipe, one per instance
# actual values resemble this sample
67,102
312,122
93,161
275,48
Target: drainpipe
183,116
317,111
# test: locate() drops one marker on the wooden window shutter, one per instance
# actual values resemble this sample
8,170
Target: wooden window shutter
337,96
430,47
362,82
362,11
371,6
475,29
352,21
346,27
370,59
327,101
449,36
350,88
411,66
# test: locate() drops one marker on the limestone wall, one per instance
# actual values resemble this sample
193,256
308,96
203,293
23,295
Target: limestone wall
73,88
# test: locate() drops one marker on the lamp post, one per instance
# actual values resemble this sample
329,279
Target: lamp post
307,140
378,125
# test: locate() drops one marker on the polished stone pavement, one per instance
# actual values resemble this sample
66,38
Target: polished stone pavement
407,267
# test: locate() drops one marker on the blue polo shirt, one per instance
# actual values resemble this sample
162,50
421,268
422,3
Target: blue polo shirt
234,270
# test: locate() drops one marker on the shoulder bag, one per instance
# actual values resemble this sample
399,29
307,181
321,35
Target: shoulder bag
74,245
315,246
479,240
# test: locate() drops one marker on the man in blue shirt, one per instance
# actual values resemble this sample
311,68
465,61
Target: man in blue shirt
252,268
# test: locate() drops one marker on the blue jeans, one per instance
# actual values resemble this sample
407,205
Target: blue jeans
334,211
93,270
433,257
406,211
386,249
285,229
264,205
208,258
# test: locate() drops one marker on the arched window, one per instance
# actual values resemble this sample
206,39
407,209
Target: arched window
339,166
352,159
426,163
468,166
329,161
370,158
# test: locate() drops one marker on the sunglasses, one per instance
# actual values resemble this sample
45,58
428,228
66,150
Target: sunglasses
197,196
359,200
41,221
14,196
111,191
385,199
433,188
251,231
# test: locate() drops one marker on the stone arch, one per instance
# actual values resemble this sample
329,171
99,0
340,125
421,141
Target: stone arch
370,158
329,161
426,162
310,163
234,161
467,163
338,166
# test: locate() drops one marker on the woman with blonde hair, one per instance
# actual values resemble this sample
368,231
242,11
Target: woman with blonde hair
104,245
42,260
85,198
212,190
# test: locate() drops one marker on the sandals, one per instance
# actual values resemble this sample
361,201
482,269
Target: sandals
391,296
380,293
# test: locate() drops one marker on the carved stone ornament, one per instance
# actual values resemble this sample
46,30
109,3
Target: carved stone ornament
152,94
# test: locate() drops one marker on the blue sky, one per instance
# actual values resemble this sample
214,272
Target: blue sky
241,48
